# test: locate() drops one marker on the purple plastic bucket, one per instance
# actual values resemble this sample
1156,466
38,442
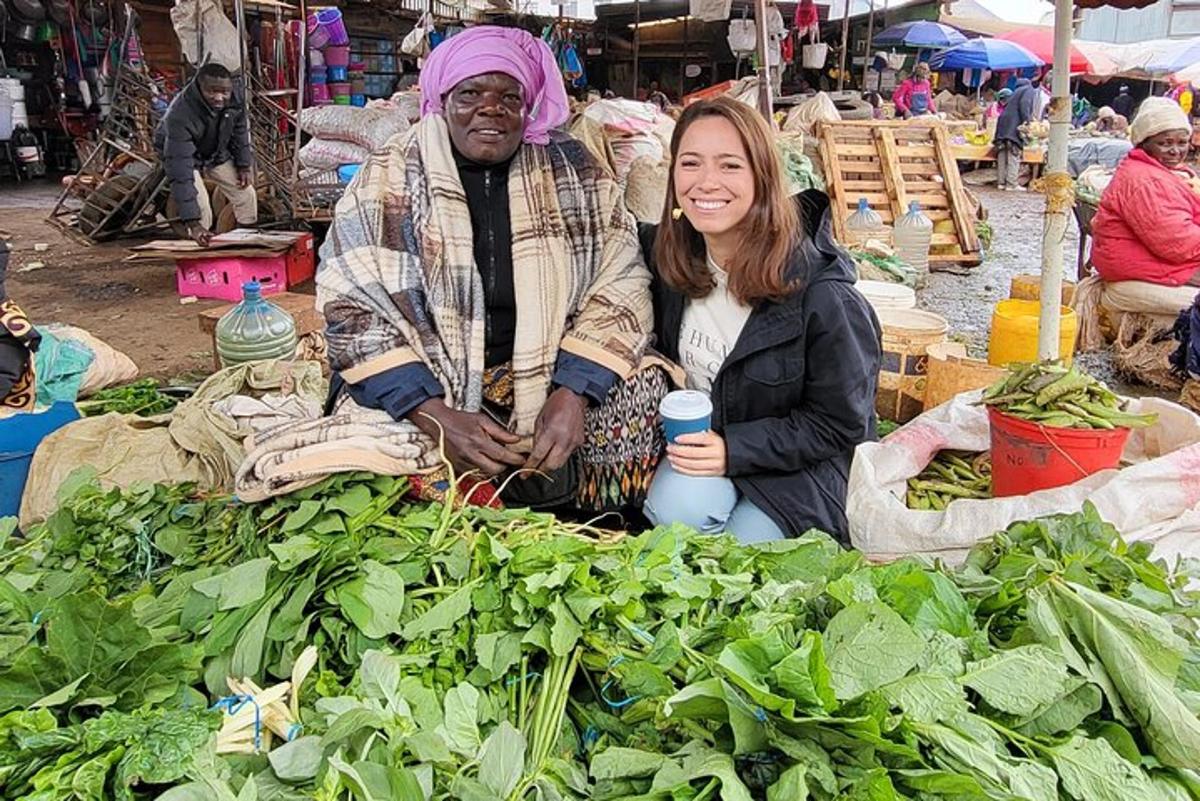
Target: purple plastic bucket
318,36
337,56
319,93
330,19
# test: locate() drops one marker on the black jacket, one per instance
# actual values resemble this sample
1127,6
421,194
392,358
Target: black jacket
1017,112
192,136
797,392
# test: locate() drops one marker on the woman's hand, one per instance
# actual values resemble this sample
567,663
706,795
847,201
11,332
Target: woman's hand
701,454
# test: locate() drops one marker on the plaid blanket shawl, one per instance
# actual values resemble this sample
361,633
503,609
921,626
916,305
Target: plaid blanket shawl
398,285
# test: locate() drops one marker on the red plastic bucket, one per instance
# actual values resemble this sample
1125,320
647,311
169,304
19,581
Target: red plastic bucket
1027,456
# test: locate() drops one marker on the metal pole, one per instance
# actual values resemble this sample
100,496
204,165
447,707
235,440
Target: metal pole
239,9
199,39
1060,192
845,46
301,75
683,70
637,39
870,33
765,104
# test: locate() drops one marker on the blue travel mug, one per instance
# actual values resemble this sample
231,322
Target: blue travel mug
685,411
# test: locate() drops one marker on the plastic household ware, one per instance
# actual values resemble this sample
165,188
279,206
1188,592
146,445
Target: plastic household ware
1028,456
318,93
912,236
886,295
318,75
330,19
337,74
1015,333
685,411
907,336
255,329
20,435
318,36
357,69
316,58
865,223
340,90
346,172
359,100
342,100
337,56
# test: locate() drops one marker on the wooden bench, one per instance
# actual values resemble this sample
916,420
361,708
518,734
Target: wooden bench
302,308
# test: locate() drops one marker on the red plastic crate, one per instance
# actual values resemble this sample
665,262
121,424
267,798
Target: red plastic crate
222,279
301,261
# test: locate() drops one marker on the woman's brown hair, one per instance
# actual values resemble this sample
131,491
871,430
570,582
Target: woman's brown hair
769,230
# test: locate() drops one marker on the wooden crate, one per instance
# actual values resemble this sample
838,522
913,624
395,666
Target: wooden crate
891,163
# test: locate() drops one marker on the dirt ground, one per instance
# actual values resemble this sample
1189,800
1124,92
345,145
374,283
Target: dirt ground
135,307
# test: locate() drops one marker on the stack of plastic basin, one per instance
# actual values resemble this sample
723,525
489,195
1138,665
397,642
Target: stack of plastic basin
337,56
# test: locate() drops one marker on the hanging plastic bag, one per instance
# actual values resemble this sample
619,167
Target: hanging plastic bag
743,37
710,10
61,365
416,42
569,63
217,35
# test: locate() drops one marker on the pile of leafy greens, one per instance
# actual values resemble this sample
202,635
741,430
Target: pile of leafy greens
485,655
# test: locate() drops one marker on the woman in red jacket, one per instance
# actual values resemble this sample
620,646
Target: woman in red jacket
1148,225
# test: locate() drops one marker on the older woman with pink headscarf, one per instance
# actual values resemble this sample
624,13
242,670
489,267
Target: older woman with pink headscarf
482,285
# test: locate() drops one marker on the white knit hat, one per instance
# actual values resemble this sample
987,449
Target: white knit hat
1156,115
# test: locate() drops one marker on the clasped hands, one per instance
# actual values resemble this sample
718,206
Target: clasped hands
476,442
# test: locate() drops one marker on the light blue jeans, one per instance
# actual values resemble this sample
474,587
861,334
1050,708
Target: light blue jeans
711,505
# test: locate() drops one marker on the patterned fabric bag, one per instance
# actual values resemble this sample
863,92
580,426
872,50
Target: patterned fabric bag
623,444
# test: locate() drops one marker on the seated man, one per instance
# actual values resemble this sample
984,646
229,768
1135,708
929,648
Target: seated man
1148,225
484,291
204,135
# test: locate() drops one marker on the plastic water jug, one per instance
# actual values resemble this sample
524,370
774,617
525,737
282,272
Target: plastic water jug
913,235
865,223
255,329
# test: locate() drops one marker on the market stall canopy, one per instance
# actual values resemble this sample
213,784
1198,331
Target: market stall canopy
1122,4
988,54
921,33
1040,42
1179,56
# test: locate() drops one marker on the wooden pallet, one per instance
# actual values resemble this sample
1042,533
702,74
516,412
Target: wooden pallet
891,164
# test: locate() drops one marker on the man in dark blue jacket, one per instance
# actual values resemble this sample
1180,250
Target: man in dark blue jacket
204,134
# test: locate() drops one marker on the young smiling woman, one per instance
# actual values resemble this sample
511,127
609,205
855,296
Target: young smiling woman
757,304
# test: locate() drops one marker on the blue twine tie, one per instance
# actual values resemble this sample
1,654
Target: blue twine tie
232,704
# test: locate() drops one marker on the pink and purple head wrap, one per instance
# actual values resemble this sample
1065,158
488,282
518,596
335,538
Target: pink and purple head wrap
489,48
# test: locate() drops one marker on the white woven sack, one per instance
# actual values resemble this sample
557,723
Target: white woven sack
743,37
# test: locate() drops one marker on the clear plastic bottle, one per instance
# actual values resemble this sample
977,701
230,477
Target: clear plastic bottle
864,224
913,235
255,329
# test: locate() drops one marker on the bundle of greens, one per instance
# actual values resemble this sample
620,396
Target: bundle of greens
1054,395
469,653
143,398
